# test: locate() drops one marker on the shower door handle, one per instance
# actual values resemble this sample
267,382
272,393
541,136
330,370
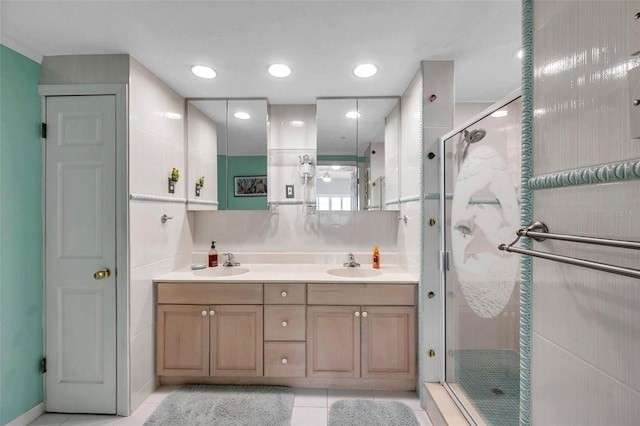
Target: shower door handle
444,261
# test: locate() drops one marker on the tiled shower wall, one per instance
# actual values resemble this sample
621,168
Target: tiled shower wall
156,145
585,323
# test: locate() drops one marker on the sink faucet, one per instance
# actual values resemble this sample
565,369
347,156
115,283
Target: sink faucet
230,260
352,262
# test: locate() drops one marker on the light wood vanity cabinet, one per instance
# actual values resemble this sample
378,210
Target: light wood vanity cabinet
225,339
373,342
342,333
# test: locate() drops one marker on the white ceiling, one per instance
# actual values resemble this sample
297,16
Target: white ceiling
322,41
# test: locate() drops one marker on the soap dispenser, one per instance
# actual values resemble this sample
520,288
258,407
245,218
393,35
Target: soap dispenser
376,257
213,255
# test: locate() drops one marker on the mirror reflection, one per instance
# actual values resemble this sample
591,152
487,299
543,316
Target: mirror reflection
241,130
357,153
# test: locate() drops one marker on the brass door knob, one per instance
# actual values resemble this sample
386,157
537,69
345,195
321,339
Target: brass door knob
102,274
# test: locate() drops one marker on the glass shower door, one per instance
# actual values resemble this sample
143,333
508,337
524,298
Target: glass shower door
482,187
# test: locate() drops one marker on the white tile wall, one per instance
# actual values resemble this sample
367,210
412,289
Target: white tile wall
156,145
284,135
582,393
467,110
391,151
580,86
289,230
585,323
202,156
438,119
152,104
411,138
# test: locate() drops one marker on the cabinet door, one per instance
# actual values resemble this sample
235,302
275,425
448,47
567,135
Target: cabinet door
388,342
333,341
236,340
182,340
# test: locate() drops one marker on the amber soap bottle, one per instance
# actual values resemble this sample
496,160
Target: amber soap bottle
376,257
213,255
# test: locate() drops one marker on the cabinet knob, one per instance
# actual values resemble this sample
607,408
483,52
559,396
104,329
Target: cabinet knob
212,312
284,323
284,361
283,294
636,102
356,313
204,313
364,315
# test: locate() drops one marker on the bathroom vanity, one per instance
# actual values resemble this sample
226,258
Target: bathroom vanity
292,325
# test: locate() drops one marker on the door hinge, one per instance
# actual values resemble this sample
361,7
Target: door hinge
43,365
43,130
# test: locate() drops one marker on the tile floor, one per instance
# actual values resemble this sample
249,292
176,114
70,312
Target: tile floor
310,408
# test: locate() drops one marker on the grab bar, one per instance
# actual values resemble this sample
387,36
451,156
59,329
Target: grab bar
539,232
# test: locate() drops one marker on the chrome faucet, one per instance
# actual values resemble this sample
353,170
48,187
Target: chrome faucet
352,262
230,260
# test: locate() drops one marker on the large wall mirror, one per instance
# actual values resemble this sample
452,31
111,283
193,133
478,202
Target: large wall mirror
241,151
357,165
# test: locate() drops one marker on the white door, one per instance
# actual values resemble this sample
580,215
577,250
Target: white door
80,309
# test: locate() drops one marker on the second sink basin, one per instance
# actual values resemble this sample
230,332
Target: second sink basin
221,271
354,272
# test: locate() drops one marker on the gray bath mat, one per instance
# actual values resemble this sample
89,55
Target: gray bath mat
196,405
361,412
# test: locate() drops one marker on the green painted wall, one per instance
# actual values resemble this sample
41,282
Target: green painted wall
21,236
245,166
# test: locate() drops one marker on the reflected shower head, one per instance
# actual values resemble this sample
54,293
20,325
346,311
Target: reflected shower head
474,135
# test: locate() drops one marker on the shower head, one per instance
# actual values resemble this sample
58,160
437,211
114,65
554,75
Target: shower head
474,135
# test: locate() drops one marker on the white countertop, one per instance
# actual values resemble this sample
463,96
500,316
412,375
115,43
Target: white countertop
288,272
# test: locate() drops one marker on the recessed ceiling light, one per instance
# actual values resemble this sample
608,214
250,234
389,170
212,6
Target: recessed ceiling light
519,53
242,115
296,123
326,177
500,113
352,114
365,70
279,70
335,167
203,71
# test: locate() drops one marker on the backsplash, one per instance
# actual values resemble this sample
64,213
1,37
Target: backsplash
288,230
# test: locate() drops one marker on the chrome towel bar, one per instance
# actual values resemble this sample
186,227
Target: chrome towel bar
539,232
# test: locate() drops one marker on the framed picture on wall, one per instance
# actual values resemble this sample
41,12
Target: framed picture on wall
249,186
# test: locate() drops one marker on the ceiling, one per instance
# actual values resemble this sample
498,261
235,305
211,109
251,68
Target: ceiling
322,41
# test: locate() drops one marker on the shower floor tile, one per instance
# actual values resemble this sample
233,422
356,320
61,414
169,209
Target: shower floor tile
490,380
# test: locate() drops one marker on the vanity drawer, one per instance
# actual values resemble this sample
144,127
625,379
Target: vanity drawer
361,294
284,359
284,322
284,294
210,293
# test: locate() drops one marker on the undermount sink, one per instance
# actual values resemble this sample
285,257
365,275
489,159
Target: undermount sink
221,271
354,272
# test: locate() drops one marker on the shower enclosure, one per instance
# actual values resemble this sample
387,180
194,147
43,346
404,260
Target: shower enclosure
480,186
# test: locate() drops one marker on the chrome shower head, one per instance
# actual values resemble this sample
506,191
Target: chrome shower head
474,135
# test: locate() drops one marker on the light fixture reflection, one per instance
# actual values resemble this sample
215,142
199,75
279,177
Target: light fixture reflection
500,113
335,167
352,114
242,115
326,177
296,123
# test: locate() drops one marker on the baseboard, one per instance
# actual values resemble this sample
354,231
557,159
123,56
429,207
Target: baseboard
28,417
